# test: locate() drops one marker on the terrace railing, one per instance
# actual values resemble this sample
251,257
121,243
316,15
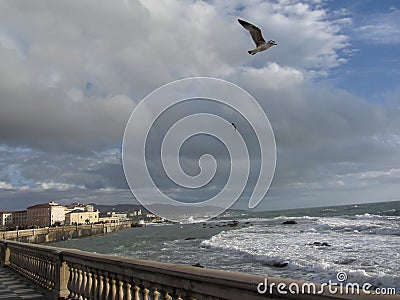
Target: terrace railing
74,274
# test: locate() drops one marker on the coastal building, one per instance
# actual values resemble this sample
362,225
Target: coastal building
45,214
89,207
5,218
75,206
19,218
79,206
112,216
78,217
137,212
108,219
120,216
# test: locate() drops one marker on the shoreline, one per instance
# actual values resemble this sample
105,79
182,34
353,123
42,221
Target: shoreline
61,233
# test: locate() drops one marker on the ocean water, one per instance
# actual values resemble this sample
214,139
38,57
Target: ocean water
361,240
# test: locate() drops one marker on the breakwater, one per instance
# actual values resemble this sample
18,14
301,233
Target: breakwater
74,274
60,233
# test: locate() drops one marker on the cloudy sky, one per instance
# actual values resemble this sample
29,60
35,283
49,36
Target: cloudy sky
73,71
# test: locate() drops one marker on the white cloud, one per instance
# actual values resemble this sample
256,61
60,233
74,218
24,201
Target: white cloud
383,28
5,185
71,73
391,173
56,186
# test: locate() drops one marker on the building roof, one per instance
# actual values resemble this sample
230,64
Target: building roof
81,212
49,204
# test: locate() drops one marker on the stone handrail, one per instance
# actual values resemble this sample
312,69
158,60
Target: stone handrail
73,274
12,234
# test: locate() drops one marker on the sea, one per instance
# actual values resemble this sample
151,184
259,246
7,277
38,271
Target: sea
362,241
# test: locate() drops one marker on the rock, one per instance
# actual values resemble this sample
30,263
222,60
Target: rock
198,265
289,222
233,223
324,244
280,264
190,238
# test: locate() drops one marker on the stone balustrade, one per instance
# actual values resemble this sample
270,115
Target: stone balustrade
52,234
74,274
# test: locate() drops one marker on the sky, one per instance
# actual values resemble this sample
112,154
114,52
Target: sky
72,72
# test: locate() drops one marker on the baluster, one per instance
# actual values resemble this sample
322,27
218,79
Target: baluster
128,292
156,294
71,283
84,283
26,259
137,289
145,294
48,274
80,284
106,286
120,291
15,259
113,288
100,286
53,274
31,267
88,289
22,258
40,273
77,283
18,259
26,262
36,269
167,296
94,293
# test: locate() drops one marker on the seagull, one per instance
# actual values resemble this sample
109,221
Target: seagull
257,38
234,126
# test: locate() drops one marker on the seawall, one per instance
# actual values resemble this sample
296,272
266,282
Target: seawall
53,234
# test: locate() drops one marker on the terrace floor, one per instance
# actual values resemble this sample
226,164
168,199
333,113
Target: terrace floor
15,286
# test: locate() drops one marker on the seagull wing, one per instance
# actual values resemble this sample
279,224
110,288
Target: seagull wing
254,31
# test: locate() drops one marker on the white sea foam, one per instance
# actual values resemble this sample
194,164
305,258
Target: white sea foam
351,242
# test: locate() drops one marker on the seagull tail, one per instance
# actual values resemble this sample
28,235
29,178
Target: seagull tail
252,52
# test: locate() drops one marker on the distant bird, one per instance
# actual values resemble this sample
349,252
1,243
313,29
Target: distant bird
257,38
234,126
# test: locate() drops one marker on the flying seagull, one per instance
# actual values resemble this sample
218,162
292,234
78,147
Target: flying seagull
257,38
